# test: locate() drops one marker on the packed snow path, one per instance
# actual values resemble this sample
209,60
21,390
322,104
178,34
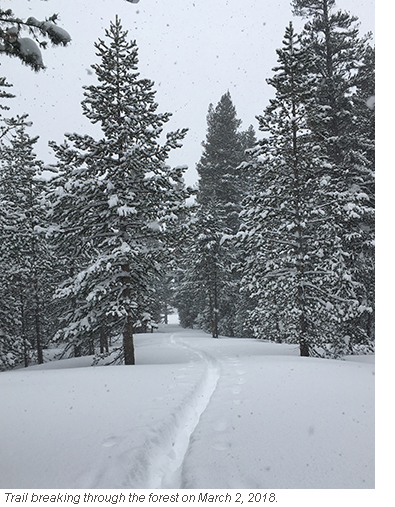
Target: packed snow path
194,412
187,415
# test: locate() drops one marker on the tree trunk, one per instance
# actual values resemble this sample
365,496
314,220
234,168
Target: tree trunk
216,310
301,301
213,313
128,345
91,346
37,312
103,341
304,348
23,333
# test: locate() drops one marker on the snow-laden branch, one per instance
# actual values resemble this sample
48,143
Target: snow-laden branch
28,49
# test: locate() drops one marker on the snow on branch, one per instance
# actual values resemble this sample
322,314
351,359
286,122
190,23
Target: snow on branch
28,49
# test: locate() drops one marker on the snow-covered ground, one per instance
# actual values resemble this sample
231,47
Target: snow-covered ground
195,412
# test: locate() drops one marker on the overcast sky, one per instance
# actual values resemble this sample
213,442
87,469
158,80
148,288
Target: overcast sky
194,51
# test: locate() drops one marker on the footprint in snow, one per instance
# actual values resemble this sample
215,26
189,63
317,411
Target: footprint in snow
220,425
221,446
110,442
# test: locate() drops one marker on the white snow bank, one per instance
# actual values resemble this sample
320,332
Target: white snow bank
195,412
286,422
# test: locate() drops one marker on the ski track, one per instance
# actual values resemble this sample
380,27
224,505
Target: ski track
159,461
166,468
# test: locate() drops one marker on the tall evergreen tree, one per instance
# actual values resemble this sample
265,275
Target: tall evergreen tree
364,122
115,197
26,266
308,224
205,273
210,257
222,154
338,120
281,230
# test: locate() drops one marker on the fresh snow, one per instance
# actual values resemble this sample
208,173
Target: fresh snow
28,48
195,412
56,31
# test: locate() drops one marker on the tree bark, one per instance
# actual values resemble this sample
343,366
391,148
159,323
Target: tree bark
128,345
215,309
37,315
91,346
23,333
103,341
304,348
301,301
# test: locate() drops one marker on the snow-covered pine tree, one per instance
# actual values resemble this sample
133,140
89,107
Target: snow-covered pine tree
164,293
115,198
7,327
189,301
209,258
9,124
364,139
13,349
282,231
246,183
204,277
4,94
26,265
223,152
337,118
248,139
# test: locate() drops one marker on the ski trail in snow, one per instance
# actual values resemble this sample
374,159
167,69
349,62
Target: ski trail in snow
166,467
158,462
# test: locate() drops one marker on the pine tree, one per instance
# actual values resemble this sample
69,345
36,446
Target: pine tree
26,266
7,125
248,140
205,275
4,94
223,152
12,346
339,123
284,274
364,139
115,197
308,224
210,257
